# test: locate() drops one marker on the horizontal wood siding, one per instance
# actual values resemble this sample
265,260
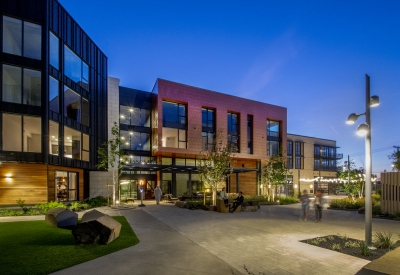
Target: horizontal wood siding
27,182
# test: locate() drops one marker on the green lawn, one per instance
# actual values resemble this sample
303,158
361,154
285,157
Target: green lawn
35,247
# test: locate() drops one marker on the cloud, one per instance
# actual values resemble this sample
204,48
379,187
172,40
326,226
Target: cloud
268,64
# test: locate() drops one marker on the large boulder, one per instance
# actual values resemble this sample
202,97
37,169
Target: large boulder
92,215
61,217
101,230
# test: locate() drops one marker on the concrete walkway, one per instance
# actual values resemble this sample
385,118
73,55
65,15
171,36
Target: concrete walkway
180,241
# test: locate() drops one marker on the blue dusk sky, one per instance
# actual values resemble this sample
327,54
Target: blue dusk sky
308,56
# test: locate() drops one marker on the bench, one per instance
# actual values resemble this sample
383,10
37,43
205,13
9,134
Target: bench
169,198
224,208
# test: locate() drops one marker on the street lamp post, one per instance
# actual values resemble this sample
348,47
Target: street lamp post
141,194
365,129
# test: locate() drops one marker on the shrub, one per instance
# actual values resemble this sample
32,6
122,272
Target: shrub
194,203
347,203
313,241
10,212
376,208
21,203
33,212
286,200
98,201
376,198
44,207
77,206
383,240
364,249
351,244
343,237
336,247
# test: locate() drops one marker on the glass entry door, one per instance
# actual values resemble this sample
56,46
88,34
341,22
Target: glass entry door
128,189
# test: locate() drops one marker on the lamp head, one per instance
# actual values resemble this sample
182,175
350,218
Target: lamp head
362,130
374,101
352,118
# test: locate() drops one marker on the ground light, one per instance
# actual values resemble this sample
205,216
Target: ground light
365,130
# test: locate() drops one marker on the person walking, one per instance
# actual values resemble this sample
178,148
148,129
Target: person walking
318,205
157,194
305,202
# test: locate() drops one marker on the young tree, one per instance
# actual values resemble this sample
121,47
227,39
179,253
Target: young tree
356,185
214,165
395,157
274,172
110,157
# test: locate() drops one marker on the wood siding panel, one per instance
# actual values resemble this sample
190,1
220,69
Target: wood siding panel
247,180
390,198
27,182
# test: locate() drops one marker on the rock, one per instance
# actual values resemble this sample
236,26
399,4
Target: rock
361,210
91,215
61,217
101,230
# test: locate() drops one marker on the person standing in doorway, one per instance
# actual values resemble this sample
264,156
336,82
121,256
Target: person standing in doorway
157,194
318,205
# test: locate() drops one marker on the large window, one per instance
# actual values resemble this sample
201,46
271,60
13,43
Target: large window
76,107
66,186
54,94
21,85
53,138
249,134
233,131
324,158
22,133
273,137
174,125
54,50
75,68
208,128
22,38
134,116
76,144
299,156
135,140
289,149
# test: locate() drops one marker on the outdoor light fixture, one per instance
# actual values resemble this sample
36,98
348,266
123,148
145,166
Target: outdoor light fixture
362,130
295,186
365,130
141,194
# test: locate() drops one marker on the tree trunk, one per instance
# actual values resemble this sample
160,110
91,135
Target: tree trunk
214,197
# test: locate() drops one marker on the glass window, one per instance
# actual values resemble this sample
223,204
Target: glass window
32,92
233,131
175,138
125,115
72,104
12,36
72,186
66,186
53,138
72,143
75,68
166,185
32,139
54,51
182,184
173,112
272,128
32,40
249,134
85,112
23,133
166,161
272,148
179,162
12,84
12,138
85,147
54,94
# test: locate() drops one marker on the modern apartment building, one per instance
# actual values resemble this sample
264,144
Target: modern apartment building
312,163
53,103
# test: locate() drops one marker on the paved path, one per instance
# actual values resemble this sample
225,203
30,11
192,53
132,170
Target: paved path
180,241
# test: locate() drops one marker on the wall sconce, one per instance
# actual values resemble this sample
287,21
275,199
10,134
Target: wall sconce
261,185
295,186
311,186
8,177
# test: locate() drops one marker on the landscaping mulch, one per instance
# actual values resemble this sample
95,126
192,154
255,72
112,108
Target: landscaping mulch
353,251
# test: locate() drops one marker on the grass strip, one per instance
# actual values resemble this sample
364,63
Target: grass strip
35,247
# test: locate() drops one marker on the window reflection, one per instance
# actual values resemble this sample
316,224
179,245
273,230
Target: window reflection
12,84
72,143
54,51
32,40
72,104
54,94
53,138
75,68
12,35
134,116
32,92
